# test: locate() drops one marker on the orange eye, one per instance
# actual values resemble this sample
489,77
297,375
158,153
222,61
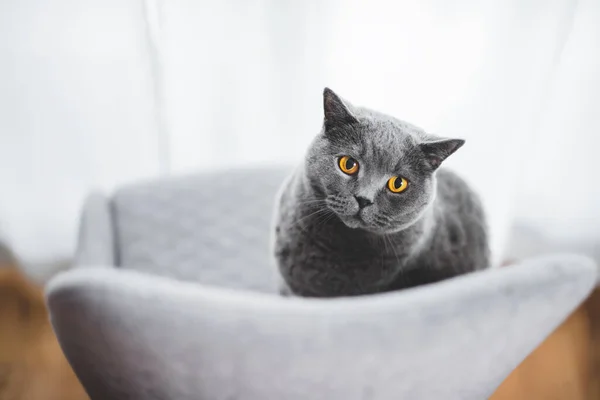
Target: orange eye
397,184
348,165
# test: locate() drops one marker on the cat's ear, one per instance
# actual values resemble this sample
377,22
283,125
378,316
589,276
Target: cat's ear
438,150
337,113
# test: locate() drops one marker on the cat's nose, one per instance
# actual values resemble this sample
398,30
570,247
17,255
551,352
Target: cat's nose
363,201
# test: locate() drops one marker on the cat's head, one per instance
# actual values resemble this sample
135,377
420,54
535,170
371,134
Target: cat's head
375,172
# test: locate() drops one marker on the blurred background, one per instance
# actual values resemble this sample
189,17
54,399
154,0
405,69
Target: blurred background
95,94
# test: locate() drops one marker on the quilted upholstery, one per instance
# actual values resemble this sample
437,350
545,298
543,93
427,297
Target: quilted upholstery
211,228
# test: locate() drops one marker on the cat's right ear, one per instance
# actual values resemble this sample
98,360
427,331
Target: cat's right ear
336,111
438,150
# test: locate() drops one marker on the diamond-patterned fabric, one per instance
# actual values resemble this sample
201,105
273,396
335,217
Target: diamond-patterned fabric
211,228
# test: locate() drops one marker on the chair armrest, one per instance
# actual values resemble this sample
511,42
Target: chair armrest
135,336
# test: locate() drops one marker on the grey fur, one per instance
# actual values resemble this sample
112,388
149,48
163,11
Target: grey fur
326,246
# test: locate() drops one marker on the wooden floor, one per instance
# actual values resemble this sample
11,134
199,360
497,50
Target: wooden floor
32,365
566,366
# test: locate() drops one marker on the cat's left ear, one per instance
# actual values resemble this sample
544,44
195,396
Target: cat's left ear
437,151
337,113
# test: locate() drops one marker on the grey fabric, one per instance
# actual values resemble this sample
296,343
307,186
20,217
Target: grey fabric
135,336
211,228
96,240
529,239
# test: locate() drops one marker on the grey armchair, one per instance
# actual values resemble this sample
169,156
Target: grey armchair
174,298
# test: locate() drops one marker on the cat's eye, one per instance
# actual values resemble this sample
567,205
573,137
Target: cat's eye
397,184
348,165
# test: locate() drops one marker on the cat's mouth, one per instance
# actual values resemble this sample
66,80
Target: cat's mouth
354,217
371,222
358,221
354,221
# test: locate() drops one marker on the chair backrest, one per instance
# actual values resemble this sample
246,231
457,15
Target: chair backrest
212,228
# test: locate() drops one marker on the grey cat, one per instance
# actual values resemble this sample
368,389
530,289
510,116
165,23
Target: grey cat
369,211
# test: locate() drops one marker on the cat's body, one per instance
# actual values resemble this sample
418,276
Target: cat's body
340,234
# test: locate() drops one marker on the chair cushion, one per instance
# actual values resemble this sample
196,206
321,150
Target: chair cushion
212,228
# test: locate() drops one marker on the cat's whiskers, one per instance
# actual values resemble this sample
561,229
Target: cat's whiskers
318,203
324,218
385,250
313,201
385,235
316,213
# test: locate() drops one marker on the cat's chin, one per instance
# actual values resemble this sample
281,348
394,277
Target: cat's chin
355,222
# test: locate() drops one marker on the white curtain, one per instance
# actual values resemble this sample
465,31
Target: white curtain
94,94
